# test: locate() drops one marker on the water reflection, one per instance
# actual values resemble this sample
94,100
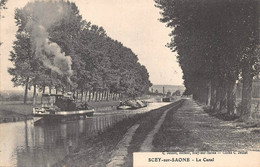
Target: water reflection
25,144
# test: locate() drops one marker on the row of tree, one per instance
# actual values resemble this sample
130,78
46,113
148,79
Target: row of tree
98,63
217,43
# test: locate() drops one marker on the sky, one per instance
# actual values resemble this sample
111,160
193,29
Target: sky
132,22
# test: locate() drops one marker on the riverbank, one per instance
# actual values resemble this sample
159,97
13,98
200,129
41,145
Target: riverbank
17,111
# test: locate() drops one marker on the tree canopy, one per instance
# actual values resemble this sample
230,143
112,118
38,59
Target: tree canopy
58,49
217,43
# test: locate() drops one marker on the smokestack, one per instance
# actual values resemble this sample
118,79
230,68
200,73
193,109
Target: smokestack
163,90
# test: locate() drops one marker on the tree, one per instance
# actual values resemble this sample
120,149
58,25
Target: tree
168,93
215,41
250,57
176,93
21,56
62,51
3,4
2,7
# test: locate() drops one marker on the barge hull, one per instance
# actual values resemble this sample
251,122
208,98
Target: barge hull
63,114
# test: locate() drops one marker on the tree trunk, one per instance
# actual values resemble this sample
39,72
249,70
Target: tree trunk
26,90
216,107
43,89
201,95
89,95
99,95
213,95
93,95
34,94
231,97
204,94
107,95
103,95
96,99
246,93
223,100
115,96
196,94
81,97
208,94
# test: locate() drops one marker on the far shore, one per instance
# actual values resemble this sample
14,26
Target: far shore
12,111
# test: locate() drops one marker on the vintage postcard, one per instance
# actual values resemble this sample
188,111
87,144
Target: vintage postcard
143,83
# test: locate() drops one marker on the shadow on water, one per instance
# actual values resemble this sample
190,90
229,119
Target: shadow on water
44,144
26,144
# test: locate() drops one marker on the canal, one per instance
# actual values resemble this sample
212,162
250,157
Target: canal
27,144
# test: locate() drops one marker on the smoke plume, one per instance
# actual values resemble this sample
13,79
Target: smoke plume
43,15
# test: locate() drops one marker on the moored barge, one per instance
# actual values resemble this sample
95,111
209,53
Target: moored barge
61,107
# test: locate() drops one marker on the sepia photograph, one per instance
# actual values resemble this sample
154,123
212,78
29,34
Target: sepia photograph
129,83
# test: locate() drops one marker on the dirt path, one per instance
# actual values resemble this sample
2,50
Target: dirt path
192,129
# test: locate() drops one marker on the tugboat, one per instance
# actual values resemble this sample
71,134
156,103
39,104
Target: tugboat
132,105
60,107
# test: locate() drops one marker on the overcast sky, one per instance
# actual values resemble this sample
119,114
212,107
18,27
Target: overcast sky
132,22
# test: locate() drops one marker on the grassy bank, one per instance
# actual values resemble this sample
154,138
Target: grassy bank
147,124
192,129
97,150
15,112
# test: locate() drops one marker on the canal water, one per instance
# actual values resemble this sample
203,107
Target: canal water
27,144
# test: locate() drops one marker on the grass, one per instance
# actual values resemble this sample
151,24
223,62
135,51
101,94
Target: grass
174,136
15,112
103,104
20,109
219,115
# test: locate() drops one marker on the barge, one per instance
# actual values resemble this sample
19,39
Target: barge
61,107
132,105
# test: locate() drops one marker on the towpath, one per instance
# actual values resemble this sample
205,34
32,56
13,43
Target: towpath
190,128
181,126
